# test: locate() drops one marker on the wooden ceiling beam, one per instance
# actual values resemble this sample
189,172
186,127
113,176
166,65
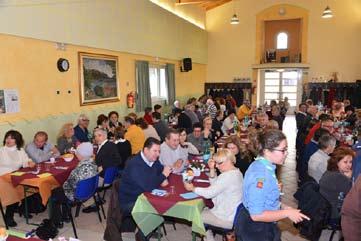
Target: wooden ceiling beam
216,4
185,2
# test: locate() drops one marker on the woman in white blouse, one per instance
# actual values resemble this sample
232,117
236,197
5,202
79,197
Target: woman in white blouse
13,157
225,191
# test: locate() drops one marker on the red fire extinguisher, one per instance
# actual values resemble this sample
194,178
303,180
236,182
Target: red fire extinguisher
130,100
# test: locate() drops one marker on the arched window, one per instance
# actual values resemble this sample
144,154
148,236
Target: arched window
282,40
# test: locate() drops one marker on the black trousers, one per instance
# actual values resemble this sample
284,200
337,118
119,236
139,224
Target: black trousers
126,210
10,210
59,208
248,230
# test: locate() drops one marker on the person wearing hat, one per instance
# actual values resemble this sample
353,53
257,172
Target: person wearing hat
85,169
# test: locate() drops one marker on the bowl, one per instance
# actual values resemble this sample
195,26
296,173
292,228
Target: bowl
68,157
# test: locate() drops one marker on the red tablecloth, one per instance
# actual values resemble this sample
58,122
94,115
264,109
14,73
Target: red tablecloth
60,175
162,204
12,238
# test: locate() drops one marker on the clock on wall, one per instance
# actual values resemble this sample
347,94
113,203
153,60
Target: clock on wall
63,65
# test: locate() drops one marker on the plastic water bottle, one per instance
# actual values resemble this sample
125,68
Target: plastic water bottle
246,121
206,151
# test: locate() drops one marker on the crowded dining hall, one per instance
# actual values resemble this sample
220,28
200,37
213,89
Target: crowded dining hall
185,120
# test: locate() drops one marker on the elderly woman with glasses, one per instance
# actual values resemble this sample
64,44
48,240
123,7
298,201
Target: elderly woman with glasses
261,208
225,191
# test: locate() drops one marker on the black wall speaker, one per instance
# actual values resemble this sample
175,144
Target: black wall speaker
186,65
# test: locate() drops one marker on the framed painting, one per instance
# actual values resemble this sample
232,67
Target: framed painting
98,78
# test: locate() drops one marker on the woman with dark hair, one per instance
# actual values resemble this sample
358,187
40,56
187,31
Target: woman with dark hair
113,117
13,157
243,156
103,123
124,147
148,130
191,149
336,180
261,208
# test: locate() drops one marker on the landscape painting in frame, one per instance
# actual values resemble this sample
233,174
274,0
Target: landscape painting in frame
98,78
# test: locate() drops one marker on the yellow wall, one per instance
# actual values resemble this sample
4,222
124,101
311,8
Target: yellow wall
332,44
29,65
132,26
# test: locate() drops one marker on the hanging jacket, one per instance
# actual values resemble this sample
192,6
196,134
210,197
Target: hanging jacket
316,207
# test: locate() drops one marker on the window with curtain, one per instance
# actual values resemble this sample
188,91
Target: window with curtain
282,40
157,82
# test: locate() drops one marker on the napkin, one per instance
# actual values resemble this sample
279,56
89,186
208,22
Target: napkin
189,195
159,192
44,175
18,174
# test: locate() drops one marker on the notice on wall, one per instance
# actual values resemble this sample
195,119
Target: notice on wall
9,101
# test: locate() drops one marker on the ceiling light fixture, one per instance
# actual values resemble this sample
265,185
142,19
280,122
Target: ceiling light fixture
234,19
327,13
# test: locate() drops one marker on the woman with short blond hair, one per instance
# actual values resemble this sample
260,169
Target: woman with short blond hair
225,191
66,139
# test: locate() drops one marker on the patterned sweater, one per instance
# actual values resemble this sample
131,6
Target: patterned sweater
85,169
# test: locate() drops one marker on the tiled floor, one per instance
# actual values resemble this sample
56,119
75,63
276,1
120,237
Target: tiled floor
90,229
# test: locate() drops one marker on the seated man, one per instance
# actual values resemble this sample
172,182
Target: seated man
40,149
142,174
107,154
229,122
81,130
244,110
171,153
134,135
85,169
197,137
160,126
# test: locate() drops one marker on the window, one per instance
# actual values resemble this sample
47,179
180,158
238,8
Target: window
282,40
157,82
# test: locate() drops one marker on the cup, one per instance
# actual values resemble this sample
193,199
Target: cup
52,159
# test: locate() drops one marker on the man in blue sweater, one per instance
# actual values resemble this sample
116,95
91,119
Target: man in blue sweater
143,173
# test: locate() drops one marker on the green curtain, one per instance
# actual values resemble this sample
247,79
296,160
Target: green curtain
170,81
143,88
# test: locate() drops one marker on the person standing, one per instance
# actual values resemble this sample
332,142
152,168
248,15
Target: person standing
261,208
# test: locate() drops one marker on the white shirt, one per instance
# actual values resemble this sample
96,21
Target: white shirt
226,193
11,159
317,165
149,163
102,144
169,156
228,125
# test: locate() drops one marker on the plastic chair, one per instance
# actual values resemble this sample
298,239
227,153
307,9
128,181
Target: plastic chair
110,175
223,231
85,189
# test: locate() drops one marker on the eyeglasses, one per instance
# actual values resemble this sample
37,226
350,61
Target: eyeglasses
219,163
86,120
283,151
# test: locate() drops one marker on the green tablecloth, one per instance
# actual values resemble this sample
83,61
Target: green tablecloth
148,219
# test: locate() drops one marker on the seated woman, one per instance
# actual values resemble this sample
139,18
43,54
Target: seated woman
148,130
113,117
337,178
124,147
243,156
191,149
103,123
85,169
13,157
66,139
225,191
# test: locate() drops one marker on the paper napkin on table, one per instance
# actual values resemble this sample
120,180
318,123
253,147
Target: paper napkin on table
17,174
189,195
159,192
44,175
